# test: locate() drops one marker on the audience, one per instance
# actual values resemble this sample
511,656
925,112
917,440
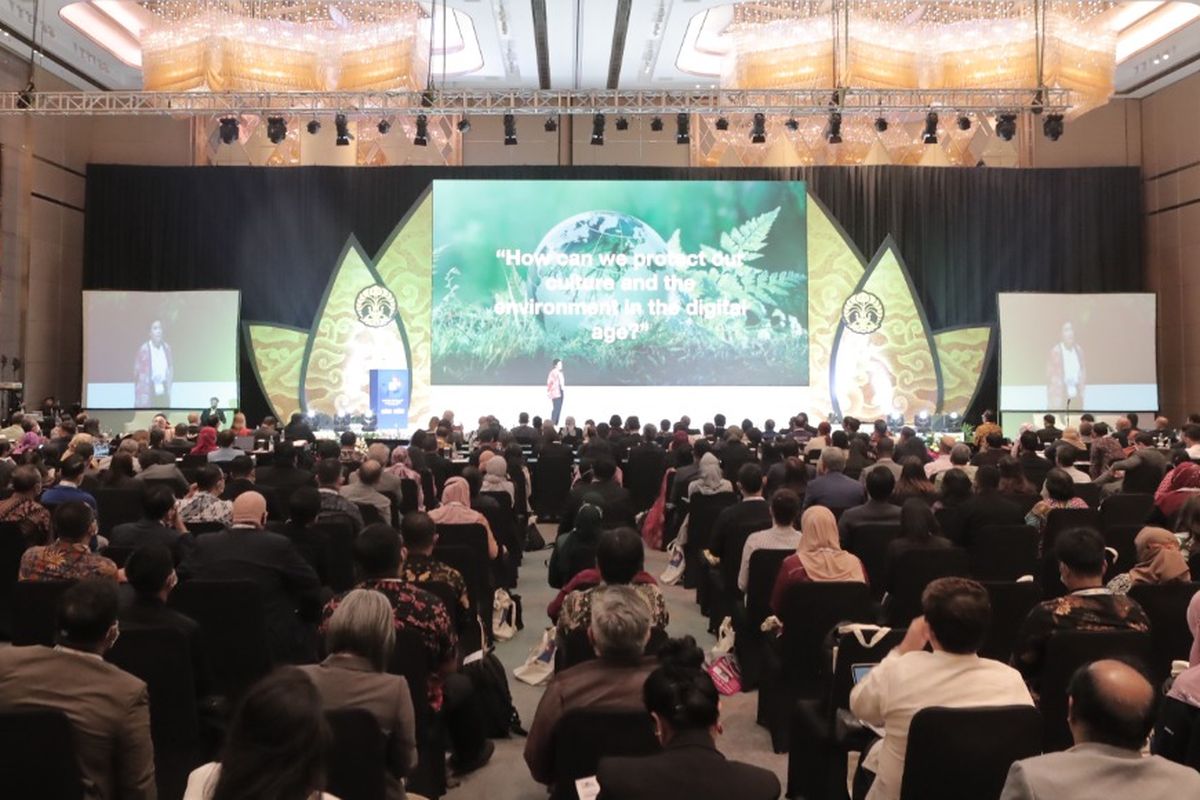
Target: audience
1088,606
991,451
108,709
422,568
620,558
1177,733
1177,487
225,450
282,473
23,508
752,513
988,506
942,463
360,638
956,616
1105,450
987,428
329,482
618,625
818,557
1029,456
884,449
1141,471
960,459
1110,714
878,510
1159,561
950,507
312,540
204,503
70,475
402,470
455,509
832,488
69,557
913,484
709,479
614,498
575,550
1048,432
365,493
686,709
782,535
1059,493
1015,486
120,473
159,525
158,466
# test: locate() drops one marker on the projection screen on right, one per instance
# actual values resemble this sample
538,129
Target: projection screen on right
1078,352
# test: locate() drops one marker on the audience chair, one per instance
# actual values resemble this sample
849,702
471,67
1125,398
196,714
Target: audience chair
1126,509
1166,605
750,642
39,756
583,737
870,544
552,484
1121,538
370,514
198,528
118,554
1088,493
161,658
115,506
1061,519
408,495
1011,604
1003,552
643,475
702,513
1066,651
35,611
340,554
966,752
394,499
431,487
503,521
233,628
724,595
410,659
356,764
12,547
474,569
911,572
472,537
809,612
149,482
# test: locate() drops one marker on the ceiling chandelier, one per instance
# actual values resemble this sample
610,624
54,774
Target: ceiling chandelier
283,45
931,45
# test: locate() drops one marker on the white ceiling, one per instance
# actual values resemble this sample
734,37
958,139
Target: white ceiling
654,41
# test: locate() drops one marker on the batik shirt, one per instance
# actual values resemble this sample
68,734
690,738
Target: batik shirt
577,608
422,570
33,517
64,561
206,507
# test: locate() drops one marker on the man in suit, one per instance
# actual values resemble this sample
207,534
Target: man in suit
248,552
298,429
158,466
1034,465
988,506
885,448
832,488
1110,713
109,710
878,510
365,491
1143,469
734,452
524,432
614,498
282,473
1048,433
991,451
212,416
67,489
159,525
329,484
750,515
389,482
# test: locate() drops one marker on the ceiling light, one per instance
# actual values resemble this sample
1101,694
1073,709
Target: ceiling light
598,129
929,136
622,123
343,130
963,122
1052,126
833,132
881,124
722,124
422,137
656,124
681,129
228,130
313,126
551,124
276,129
384,126
464,125
510,129
758,131
1006,126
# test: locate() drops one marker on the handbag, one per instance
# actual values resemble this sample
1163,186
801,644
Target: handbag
675,562
539,664
504,616
725,674
533,538
725,639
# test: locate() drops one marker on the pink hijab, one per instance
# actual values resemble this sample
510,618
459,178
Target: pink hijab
457,490
30,441
820,551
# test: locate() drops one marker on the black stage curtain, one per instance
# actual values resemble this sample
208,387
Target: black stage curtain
275,233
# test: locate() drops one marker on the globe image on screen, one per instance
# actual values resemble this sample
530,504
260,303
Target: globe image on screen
596,234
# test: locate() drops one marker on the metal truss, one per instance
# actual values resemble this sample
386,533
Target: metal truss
544,103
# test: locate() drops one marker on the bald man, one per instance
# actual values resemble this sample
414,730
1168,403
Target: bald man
366,490
248,552
1110,713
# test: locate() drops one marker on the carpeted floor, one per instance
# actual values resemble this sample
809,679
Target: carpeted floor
507,778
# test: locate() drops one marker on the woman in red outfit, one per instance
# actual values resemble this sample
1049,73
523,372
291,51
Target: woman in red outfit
820,556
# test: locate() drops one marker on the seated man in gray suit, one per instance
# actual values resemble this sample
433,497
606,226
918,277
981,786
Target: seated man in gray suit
1111,712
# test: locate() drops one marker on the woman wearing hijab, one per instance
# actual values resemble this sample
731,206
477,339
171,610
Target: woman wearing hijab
402,468
819,558
1177,487
206,442
919,530
1158,561
1178,725
456,510
710,480
575,550
495,478
29,443
1187,526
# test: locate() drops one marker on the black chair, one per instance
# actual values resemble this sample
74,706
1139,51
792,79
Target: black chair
1121,538
35,611
39,756
954,753
912,571
370,514
749,643
503,522
12,548
552,484
430,487
643,476
1088,493
472,536
339,562
583,737
1011,604
870,544
1003,552
474,569
118,554
233,628
1166,605
161,658
355,766
702,513
411,659
394,499
1067,651
809,612
1061,519
115,506
723,594
1130,508
199,528
408,495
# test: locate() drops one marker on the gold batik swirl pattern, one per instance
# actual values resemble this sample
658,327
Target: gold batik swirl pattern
406,267
961,356
278,353
892,369
342,350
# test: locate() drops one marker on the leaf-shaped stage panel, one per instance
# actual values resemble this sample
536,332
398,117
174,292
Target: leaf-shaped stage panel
405,265
892,367
278,353
834,269
962,355
357,330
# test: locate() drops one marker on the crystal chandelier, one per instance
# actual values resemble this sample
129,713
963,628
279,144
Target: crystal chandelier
284,45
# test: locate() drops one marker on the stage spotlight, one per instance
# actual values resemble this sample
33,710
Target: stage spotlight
1052,126
551,124
931,123
833,132
923,422
963,122
682,121
422,137
384,126
343,130
622,123
881,124
598,129
895,420
510,129
276,129
464,125
656,124
1036,105
758,131
1006,126
792,124
722,124
313,126
228,130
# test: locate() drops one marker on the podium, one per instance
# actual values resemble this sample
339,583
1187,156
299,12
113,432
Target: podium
391,390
